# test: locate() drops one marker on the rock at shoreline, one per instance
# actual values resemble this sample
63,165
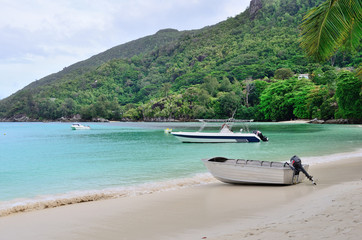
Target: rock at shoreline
337,121
330,121
316,121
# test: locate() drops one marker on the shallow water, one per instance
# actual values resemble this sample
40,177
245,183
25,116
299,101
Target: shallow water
50,159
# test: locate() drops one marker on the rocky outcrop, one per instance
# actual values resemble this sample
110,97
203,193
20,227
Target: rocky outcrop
338,121
255,6
331,121
18,118
316,121
99,120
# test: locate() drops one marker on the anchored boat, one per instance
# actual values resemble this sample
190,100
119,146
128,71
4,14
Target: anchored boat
78,126
240,171
225,135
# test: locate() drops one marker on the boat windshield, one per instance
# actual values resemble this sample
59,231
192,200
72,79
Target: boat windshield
225,128
202,126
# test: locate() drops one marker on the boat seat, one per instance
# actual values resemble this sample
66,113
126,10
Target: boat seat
276,164
230,161
241,161
266,163
253,162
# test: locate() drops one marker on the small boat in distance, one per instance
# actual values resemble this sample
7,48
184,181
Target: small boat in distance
241,171
224,136
78,126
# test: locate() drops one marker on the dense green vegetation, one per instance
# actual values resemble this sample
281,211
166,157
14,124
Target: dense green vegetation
248,63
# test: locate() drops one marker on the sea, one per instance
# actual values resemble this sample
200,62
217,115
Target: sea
46,165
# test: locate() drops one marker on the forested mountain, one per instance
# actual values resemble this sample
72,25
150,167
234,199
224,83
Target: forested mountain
140,46
249,63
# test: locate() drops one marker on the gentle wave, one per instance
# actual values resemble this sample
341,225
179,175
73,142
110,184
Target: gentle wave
43,202
333,157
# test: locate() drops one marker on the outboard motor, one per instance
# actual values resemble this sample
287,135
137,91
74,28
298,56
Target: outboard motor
260,135
296,165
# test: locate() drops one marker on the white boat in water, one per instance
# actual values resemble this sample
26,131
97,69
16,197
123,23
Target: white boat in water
239,171
224,136
78,126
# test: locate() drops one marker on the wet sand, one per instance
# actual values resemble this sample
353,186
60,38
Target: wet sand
330,210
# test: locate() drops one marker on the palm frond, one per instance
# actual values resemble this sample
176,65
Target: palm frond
355,33
328,26
359,71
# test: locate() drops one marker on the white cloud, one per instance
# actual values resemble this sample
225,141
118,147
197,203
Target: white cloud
40,37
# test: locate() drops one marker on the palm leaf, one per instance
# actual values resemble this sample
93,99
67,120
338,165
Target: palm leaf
326,27
359,71
355,34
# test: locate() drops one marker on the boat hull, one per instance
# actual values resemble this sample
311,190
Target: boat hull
79,127
239,171
197,137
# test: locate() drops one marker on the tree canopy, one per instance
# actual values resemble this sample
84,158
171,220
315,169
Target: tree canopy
250,64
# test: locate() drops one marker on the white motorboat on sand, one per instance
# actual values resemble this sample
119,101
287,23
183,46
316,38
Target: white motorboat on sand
241,171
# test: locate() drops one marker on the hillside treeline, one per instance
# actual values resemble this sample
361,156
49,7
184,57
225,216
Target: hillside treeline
249,63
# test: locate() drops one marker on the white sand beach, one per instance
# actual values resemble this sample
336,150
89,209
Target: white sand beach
330,210
296,121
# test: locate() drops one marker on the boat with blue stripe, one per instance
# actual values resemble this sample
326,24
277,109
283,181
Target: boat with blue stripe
224,136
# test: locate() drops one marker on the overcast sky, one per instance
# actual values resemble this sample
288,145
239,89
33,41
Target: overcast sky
40,37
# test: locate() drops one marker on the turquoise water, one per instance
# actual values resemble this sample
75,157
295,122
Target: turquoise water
46,159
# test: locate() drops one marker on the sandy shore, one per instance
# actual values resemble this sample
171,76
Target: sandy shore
295,121
330,210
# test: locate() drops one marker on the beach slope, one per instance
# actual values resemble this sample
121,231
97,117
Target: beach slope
331,210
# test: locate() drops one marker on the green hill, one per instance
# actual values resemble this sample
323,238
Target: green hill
140,46
206,73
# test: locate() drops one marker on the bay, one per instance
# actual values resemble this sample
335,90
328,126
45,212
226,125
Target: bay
50,159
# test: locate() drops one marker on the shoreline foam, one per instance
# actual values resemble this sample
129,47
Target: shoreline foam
315,160
219,211
52,201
